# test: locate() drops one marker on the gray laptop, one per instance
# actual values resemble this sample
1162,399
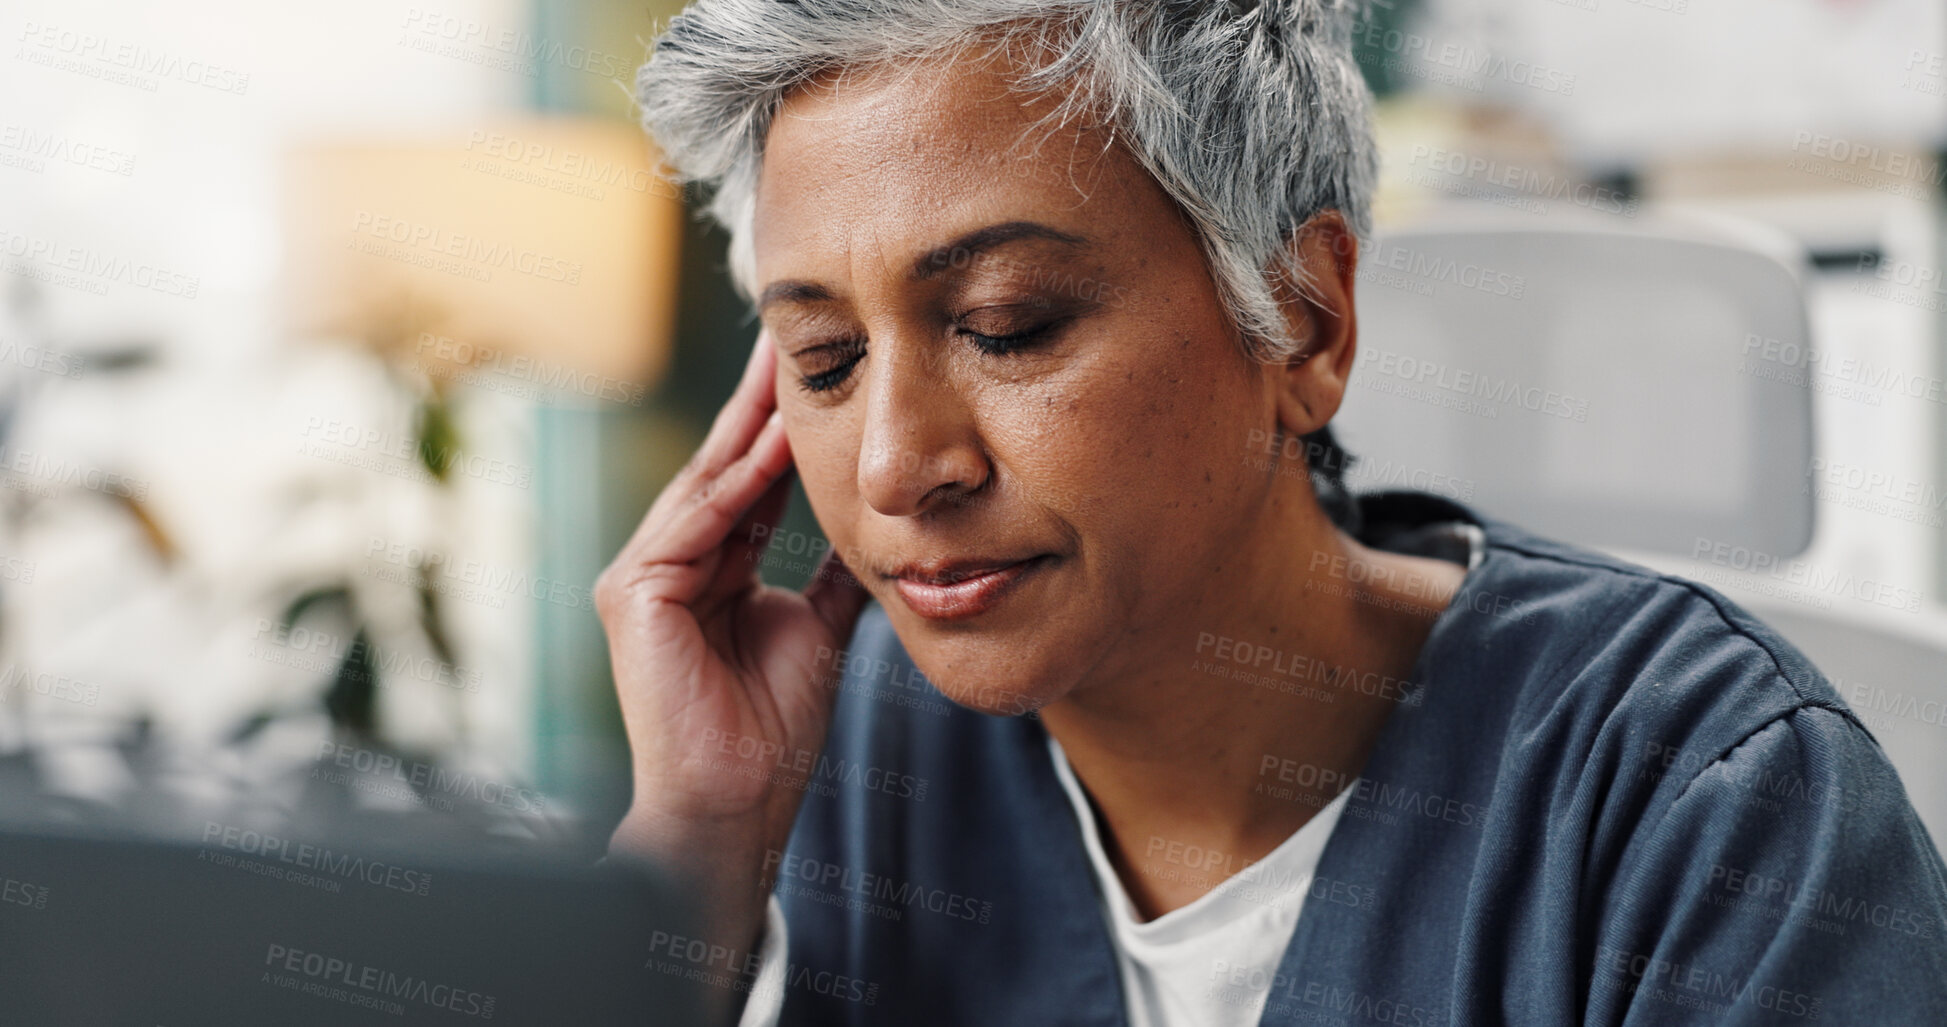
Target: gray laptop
250,929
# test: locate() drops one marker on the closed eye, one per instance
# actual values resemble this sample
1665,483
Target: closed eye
849,353
1001,345
825,381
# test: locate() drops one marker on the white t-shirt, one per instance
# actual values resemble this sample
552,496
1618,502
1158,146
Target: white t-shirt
1211,963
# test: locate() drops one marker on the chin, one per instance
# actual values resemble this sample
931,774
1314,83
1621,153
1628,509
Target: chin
992,676
1012,658
996,700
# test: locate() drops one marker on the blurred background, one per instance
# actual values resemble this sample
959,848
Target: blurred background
341,347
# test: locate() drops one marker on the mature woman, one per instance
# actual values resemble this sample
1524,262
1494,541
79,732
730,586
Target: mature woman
1108,707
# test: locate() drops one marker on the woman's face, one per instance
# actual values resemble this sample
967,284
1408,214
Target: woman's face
1014,399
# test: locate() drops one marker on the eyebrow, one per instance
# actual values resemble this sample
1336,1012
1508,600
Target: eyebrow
982,239
792,290
933,261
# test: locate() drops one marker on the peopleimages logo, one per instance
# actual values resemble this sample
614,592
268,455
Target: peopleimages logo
522,49
370,982
323,859
791,868
1704,989
1924,170
567,163
428,777
1804,575
476,257
29,147
404,455
49,685
1520,181
469,579
90,52
323,652
1372,800
1457,64
40,358
1866,166
95,268
1299,667
758,753
1432,268
1509,392
1837,909
23,894
1867,700
43,472
476,363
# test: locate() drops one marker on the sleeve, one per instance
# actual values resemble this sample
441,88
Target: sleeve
1789,882
766,1001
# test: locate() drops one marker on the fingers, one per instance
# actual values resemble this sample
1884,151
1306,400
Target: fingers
679,546
701,537
738,426
745,548
742,417
769,508
707,509
753,534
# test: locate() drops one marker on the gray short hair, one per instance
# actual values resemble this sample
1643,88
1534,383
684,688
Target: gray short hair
1252,120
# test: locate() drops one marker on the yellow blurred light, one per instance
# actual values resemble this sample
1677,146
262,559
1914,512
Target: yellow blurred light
548,246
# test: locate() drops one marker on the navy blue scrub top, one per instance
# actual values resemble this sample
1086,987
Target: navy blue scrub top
1617,799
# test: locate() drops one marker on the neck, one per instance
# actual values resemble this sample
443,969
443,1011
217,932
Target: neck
1237,723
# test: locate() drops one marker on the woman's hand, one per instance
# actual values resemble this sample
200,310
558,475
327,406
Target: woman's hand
726,684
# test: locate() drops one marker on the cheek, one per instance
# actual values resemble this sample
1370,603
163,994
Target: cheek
1139,455
826,457
1148,432
1069,446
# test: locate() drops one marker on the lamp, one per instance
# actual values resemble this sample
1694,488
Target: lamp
545,248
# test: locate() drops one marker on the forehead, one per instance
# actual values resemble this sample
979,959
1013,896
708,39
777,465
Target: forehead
901,155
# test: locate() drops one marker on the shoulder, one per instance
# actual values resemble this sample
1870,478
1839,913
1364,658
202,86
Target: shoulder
1794,862
1677,800
1600,698
1654,652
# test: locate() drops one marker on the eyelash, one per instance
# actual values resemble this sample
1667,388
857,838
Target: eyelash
825,381
991,345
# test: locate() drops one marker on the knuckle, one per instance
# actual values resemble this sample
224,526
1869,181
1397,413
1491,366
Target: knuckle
688,477
708,492
610,591
692,467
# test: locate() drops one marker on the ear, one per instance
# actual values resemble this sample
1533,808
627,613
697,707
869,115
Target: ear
1316,299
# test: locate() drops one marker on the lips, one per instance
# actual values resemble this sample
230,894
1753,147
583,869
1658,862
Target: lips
955,590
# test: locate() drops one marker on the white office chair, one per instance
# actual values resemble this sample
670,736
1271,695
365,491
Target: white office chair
1633,386
1616,383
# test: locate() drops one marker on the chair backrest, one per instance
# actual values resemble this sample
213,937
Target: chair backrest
1889,674
1634,384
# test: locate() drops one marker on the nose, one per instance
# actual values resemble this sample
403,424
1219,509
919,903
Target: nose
920,447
